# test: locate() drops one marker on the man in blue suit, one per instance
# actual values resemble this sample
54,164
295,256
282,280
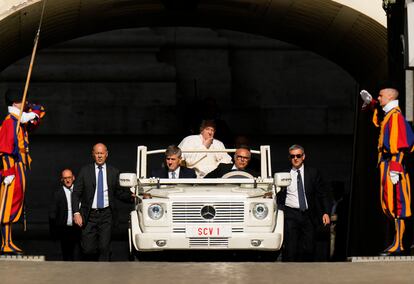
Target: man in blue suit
172,167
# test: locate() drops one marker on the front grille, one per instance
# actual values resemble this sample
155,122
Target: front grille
209,242
179,230
225,212
237,230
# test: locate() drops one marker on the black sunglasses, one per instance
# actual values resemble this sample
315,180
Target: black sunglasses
298,156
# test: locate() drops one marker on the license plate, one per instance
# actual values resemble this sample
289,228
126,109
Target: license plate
208,231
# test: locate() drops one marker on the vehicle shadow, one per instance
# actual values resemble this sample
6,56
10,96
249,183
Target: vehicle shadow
208,256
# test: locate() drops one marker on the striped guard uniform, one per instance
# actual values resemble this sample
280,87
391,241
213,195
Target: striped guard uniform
395,140
15,158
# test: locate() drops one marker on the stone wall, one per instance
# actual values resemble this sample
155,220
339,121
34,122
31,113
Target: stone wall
151,85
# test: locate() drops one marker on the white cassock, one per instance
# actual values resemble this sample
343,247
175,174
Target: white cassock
203,163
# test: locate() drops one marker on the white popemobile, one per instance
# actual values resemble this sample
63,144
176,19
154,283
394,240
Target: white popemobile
235,212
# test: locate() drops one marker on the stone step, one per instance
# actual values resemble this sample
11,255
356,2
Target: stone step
381,258
22,258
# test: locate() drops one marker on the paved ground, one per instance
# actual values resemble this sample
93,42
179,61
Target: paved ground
194,267
217,272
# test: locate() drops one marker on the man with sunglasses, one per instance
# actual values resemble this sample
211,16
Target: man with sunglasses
241,158
306,205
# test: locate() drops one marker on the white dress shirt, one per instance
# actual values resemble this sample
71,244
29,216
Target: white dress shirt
68,194
177,173
203,163
292,198
105,188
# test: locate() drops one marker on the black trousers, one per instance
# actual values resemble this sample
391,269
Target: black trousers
70,242
299,234
96,235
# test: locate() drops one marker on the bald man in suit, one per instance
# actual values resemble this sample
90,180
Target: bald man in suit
95,190
61,218
242,157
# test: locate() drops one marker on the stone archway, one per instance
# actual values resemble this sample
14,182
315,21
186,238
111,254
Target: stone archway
352,40
346,36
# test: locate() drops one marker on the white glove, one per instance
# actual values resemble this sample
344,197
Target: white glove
395,177
366,97
28,116
8,180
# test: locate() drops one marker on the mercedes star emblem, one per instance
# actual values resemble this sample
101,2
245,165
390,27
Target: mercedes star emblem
208,212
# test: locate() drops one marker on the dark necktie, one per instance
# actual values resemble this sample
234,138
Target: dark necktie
172,174
301,193
100,199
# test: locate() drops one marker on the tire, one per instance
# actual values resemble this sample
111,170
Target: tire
132,251
132,256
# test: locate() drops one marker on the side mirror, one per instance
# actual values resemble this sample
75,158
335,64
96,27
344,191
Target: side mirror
128,180
282,179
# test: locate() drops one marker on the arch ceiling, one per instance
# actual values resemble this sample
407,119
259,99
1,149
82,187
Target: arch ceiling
348,37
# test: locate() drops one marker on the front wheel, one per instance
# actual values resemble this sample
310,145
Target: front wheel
131,256
132,251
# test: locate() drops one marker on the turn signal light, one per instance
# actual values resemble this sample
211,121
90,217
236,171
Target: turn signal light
268,195
147,196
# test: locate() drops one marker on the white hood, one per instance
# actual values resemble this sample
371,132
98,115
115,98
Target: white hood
207,192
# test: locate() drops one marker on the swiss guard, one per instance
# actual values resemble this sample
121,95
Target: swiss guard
14,154
396,140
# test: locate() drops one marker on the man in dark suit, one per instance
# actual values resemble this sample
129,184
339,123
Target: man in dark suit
241,158
61,221
306,204
172,167
95,190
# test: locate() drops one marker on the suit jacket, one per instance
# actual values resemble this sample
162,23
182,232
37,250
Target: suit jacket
58,211
318,195
184,173
223,169
85,186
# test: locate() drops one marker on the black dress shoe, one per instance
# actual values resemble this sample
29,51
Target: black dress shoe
393,253
11,253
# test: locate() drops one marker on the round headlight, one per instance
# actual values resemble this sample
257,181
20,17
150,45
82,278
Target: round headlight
155,211
260,211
